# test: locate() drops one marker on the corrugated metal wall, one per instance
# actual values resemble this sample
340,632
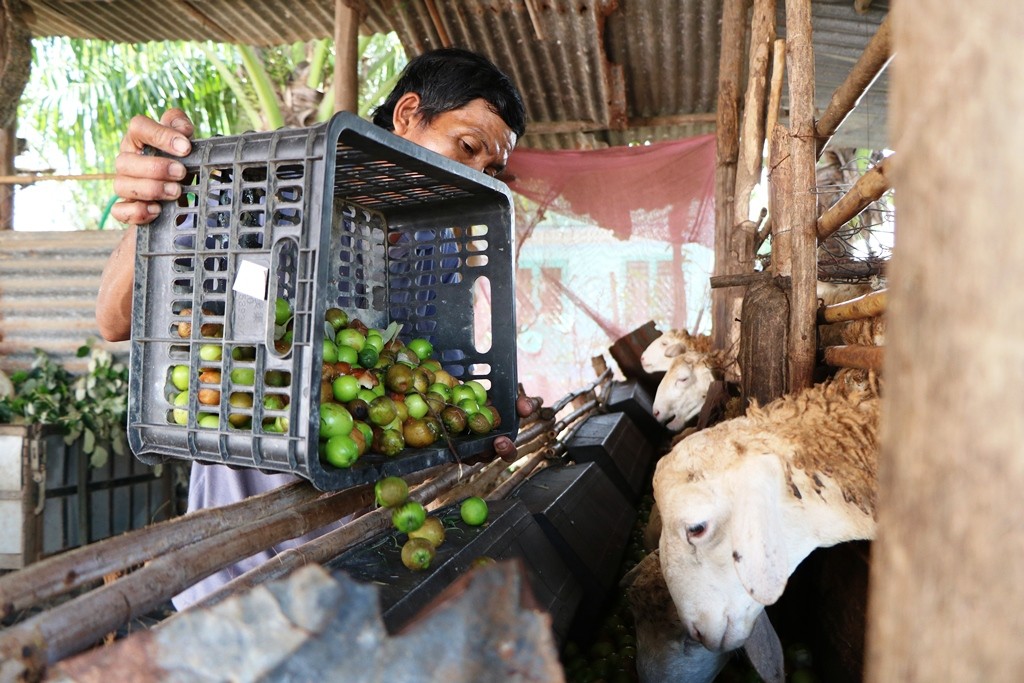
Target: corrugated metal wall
48,285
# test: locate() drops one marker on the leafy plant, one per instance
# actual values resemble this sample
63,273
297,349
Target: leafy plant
92,407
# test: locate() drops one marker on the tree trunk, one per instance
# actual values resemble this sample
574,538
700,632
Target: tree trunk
947,595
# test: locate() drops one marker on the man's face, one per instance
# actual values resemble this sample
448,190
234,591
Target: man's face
472,135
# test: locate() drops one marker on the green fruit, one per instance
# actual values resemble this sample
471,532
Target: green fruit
341,451
454,419
210,352
479,424
281,424
478,390
408,516
398,378
350,337
431,364
417,553
181,416
209,420
282,311
330,353
461,393
366,430
375,341
382,411
441,390
336,317
276,378
469,405
432,530
416,405
421,347
347,354
474,511
417,433
389,442
243,376
368,357
391,492
335,420
274,402
345,388
366,395
179,377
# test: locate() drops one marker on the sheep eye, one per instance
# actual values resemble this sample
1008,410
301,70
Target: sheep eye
696,530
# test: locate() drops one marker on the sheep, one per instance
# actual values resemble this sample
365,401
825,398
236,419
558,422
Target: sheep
664,651
744,502
658,355
683,389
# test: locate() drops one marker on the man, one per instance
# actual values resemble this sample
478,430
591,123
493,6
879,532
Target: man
451,101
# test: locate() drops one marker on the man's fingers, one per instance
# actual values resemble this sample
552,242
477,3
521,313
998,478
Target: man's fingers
135,213
144,131
179,121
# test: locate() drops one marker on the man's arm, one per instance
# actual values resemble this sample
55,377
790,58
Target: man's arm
142,182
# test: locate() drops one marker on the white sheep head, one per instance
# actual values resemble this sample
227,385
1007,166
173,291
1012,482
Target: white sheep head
659,353
683,389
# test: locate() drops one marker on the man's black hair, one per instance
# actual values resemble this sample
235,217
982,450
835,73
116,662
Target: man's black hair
450,78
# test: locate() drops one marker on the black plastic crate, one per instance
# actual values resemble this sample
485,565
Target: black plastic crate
613,442
510,531
345,215
631,398
586,518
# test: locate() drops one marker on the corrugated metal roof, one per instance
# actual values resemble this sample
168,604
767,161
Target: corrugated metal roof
48,285
593,72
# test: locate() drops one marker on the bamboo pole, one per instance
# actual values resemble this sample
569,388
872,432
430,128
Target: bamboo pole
75,625
872,61
63,573
741,280
30,178
803,211
855,356
868,188
723,303
752,135
865,306
573,395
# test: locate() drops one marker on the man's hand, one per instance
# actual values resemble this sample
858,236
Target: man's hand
143,180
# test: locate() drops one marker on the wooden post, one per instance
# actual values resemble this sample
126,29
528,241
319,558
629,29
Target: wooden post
724,304
780,192
868,188
347,16
947,595
803,211
8,145
751,143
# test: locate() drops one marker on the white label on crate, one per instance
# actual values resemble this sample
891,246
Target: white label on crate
251,279
11,525
10,463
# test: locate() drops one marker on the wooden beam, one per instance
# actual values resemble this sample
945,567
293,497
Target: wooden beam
803,211
844,100
31,178
435,19
8,143
868,188
855,356
725,305
345,83
780,195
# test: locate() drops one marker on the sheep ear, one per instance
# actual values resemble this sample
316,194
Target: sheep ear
674,350
759,552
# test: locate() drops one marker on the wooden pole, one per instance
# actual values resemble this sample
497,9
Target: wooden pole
947,595
866,306
347,17
855,356
803,212
780,194
751,142
844,100
8,143
724,305
868,188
